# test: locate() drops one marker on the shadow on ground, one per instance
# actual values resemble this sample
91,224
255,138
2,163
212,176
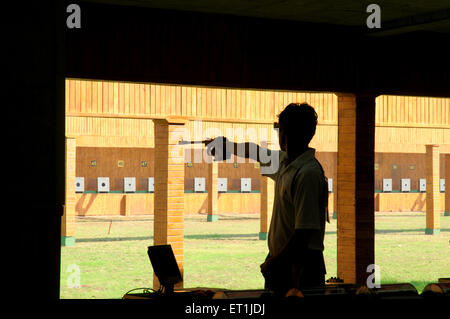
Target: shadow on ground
391,231
237,236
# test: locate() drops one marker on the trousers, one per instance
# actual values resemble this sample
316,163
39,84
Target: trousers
306,270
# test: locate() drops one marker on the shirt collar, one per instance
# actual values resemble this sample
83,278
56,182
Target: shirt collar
304,158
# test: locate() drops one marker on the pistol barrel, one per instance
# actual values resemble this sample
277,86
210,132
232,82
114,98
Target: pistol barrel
193,142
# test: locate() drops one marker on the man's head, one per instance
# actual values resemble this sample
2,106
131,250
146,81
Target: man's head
297,126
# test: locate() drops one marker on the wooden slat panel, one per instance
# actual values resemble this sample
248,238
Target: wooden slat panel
105,98
171,100
184,102
69,95
77,94
164,100
121,98
115,94
138,99
111,105
141,99
133,101
88,97
153,99
177,101
446,107
147,100
203,97
83,96
258,106
237,104
208,103
158,90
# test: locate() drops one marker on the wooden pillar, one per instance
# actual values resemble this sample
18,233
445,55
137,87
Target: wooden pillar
433,198
68,218
213,194
169,189
267,189
355,181
447,185
267,197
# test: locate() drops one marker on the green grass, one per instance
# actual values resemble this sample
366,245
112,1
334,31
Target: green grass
227,253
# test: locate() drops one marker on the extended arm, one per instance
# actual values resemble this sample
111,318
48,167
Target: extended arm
245,150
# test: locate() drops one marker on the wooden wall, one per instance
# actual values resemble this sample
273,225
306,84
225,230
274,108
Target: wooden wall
144,100
107,160
407,202
107,166
398,166
90,204
391,139
112,121
412,111
105,113
228,170
405,124
110,131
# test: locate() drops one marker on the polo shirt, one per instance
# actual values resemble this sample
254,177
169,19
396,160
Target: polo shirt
301,200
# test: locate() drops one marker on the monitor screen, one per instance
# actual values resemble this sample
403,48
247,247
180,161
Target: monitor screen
164,264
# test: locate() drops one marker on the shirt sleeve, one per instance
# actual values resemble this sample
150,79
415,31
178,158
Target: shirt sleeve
270,161
306,200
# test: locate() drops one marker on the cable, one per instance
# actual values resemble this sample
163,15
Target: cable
158,292
145,290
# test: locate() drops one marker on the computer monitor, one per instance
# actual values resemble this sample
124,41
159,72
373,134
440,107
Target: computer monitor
165,266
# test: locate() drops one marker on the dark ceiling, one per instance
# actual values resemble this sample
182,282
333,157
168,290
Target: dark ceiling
400,16
303,45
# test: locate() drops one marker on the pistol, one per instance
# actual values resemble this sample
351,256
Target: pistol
220,154
206,142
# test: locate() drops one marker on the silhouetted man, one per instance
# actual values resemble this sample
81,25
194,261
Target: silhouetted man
300,208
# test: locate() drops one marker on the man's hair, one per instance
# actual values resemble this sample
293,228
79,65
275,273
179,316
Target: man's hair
298,121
